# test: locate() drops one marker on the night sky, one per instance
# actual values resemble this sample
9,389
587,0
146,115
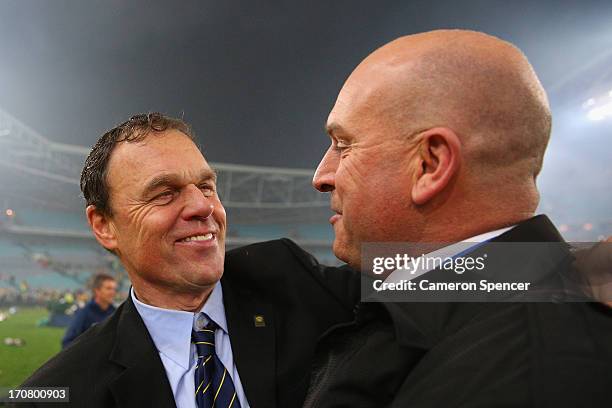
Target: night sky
255,79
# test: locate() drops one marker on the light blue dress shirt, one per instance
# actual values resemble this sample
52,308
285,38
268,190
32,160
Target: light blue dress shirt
171,333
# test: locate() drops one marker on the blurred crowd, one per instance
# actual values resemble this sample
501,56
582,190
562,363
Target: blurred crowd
58,301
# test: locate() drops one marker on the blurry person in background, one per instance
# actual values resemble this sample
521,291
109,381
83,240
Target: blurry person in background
104,289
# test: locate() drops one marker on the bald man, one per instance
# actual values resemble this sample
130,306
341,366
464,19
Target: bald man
438,138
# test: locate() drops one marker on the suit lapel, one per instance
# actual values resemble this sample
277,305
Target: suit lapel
143,381
252,335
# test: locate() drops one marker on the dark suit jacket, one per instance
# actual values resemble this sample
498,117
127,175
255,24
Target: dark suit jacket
116,364
517,354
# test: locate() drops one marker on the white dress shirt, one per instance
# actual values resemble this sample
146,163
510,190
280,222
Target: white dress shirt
171,333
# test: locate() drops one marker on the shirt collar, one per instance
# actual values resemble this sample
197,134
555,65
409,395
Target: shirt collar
214,308
454,250
488,235
449,251
171,329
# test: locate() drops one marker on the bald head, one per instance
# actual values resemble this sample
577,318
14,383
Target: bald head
478,85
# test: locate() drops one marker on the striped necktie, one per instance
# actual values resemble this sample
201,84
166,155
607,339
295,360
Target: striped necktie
214,386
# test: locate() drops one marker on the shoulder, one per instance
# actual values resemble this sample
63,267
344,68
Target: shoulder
281,258
82,311
270,251
88,309
282,264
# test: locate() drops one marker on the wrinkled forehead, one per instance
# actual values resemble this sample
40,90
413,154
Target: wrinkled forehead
133,163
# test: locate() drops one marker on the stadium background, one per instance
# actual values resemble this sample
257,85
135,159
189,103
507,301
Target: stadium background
47,254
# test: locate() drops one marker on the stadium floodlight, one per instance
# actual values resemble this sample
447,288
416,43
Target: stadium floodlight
599,109
587,104
600,112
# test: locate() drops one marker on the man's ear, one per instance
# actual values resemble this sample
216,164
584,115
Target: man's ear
102,227
439,158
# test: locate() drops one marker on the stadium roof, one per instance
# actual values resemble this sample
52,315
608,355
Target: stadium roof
42,173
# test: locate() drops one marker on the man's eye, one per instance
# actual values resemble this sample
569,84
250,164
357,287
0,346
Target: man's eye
164,197
207,189
341,146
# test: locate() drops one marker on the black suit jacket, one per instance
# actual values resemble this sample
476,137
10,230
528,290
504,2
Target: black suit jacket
519,354
116,364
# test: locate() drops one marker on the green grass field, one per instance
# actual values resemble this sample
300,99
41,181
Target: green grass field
17,363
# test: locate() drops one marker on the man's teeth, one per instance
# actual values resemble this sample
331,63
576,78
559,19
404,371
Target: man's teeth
206,237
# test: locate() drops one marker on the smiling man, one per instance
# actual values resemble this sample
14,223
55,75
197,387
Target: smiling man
197,330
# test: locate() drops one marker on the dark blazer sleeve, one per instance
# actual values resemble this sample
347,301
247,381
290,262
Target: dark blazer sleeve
342,281
299,299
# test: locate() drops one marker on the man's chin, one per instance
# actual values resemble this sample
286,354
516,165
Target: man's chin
195,284
208,276
202,260
346,254
199,274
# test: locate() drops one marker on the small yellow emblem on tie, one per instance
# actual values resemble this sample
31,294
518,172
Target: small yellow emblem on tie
259,321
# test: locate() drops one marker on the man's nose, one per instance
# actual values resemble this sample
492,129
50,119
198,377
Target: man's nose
197,205
324,177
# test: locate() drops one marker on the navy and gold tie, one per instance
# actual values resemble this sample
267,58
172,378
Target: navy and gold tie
214,386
